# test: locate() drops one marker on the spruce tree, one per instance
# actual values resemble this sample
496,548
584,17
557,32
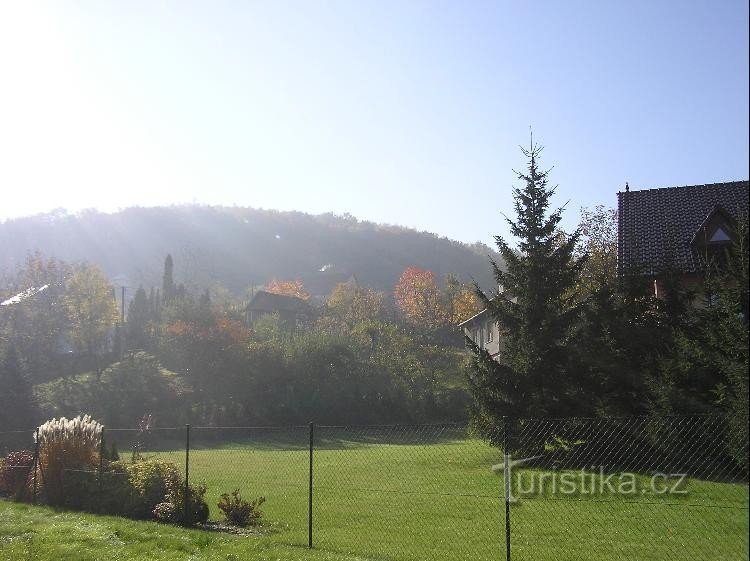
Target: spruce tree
139,316
168,288
536,310
17,407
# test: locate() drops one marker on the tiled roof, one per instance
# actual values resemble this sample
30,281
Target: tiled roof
269,302
656,226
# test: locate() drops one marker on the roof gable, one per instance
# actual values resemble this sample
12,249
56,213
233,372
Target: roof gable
659,228
270,302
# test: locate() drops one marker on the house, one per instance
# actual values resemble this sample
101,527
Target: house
678,228
292,311
484,331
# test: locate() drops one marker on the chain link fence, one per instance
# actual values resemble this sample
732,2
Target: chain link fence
645,488
630,488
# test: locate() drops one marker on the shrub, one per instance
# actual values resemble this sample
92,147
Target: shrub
134,489
198,505
68,444
166,512
14,474
240,512
151,489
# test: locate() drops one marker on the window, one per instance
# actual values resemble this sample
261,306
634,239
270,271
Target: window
720,236
490,333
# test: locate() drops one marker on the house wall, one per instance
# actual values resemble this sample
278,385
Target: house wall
485,333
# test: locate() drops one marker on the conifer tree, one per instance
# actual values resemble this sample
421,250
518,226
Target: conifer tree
535,308
139,316
16,397
168,288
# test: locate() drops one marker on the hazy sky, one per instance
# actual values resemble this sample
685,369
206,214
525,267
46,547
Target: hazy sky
403,112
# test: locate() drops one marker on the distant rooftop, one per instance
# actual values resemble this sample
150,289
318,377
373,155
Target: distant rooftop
270,302
21,296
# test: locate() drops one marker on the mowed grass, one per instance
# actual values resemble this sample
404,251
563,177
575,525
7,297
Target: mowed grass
434,496
400,497
41,534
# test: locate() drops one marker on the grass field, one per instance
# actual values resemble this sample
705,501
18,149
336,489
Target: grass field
416,496
41,534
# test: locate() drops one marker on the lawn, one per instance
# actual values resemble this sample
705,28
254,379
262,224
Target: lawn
397,497
42,534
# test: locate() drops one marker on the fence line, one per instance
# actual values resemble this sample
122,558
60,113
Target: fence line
670,487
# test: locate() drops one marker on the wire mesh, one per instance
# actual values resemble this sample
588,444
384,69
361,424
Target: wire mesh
17,461
269,462
643,488
407,492
631,488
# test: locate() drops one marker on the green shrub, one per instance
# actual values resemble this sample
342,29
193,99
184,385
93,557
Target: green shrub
136,488
240,512
14,474
166,512
151,489
198,506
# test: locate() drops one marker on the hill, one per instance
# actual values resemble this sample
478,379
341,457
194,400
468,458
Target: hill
238,247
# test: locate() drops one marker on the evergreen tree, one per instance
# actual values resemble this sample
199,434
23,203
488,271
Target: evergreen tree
168,288
17,409
139,316
535,308
705,368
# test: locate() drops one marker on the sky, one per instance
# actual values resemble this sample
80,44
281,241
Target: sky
406,113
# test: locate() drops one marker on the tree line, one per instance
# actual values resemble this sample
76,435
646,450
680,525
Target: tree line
363,356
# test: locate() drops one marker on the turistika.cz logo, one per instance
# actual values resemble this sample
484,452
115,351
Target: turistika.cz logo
592,482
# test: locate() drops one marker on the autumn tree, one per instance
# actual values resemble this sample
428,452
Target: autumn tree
288,288
355,304
536,312
91,308
598,241
460,299
419,299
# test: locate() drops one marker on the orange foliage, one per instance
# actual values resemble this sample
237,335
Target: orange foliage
288,288
222,332
418,297
465,304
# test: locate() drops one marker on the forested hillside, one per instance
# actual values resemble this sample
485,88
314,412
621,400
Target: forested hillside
236,247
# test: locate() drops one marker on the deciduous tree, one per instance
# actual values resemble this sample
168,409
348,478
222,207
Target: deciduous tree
91,308
418,298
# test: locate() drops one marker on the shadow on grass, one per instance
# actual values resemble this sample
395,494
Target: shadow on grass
284,439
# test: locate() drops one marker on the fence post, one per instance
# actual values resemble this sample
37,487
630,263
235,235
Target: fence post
187,475
36,465
506,481
310,492
101,469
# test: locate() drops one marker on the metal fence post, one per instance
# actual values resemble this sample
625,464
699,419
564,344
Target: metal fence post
101,469
187,475
506,481
36,465
310,492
